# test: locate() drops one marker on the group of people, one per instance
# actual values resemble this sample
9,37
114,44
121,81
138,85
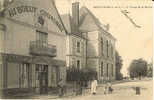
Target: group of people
94,84
107,87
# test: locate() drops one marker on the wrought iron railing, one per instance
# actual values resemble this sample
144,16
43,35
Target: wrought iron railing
42,48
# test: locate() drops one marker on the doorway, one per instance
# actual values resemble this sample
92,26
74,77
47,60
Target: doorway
42,78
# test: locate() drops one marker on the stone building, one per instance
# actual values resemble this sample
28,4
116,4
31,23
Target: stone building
75,41
37,44
96,45
100,45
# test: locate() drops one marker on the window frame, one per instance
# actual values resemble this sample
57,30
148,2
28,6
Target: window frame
102,48
112,71
78,65
41,36
78,46
102,69
107,70
107,47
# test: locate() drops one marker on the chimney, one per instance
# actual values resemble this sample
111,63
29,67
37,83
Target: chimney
75,17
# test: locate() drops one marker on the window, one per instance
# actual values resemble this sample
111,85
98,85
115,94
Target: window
112,51
102,46
2,31
73,62
112,70
78,47
41,75
25,80
42,37
102,69
78,64
39,69
107,46
107,69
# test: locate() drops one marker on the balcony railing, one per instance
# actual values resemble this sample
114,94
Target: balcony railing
42,49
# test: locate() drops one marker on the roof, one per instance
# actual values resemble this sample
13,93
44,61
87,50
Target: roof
48,7
84,11
67,22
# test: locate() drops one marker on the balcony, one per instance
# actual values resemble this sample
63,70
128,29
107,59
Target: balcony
40,48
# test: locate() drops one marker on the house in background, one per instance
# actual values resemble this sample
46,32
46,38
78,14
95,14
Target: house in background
100,45
75,40
88,43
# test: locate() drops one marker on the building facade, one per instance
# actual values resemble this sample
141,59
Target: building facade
38,44
33,39
98,45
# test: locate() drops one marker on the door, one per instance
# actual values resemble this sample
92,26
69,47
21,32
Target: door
57,75
42,78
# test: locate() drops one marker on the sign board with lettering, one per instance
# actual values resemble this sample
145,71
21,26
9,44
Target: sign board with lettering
36,13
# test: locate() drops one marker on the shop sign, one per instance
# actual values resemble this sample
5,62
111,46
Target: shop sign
30,9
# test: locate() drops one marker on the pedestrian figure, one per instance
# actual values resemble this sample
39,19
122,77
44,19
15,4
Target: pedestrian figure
110,87
79,88
137,90
93,86
105,88
61,86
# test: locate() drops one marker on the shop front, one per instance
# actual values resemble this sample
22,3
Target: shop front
30,73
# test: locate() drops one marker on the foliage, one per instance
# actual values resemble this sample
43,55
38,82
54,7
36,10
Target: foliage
138,68
86,74
150,70
119,64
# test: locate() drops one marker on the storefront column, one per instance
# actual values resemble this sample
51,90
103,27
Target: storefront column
33,75
49,75
5,67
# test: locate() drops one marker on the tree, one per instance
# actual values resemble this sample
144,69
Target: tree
119,65
82,75
150,70
138,68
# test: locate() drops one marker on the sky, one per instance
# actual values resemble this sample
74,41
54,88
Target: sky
132,42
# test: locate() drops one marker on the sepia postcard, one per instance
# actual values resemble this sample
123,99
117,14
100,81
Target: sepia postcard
76,49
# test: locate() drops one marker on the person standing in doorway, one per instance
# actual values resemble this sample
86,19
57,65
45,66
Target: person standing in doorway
94,86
